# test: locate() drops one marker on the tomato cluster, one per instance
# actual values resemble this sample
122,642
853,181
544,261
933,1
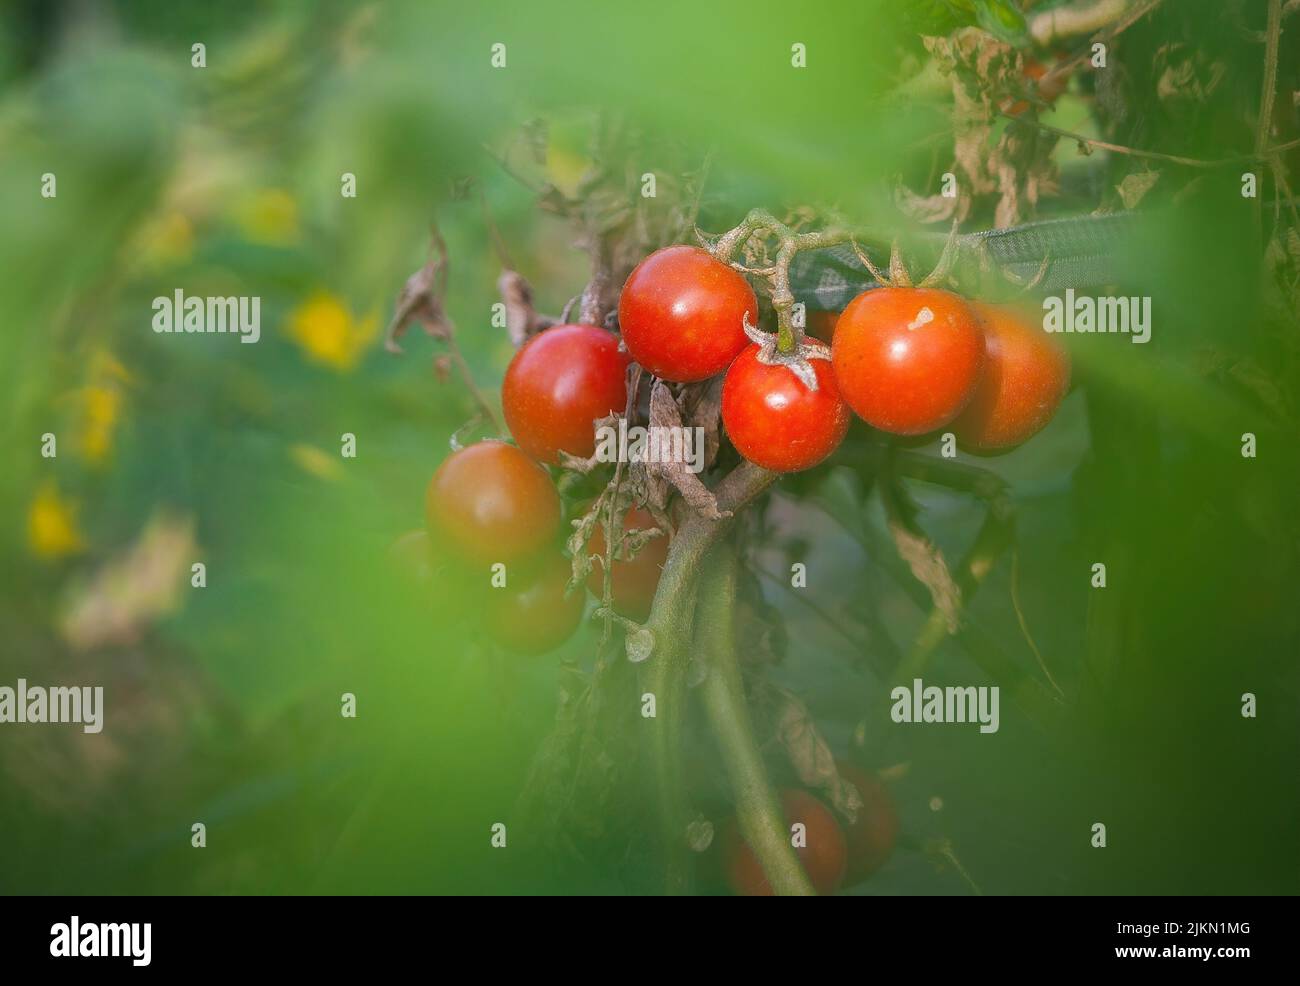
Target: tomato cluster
906,360
490,504
912,360
830,854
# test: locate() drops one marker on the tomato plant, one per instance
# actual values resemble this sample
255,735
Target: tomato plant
531,614
558,383
874,832
491,503
907,360
682,314
775,420
1026,376
823,854
633,581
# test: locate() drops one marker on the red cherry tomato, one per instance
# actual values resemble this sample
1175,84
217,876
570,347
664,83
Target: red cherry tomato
907,359
821,325
559,382
872,836
682,314
632,582
1026,376
491,503
823,854
775,421
531,614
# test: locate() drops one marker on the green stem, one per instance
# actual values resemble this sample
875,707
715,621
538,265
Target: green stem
758,811
663,675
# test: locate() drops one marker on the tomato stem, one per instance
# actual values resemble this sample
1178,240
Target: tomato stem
663,675
758,811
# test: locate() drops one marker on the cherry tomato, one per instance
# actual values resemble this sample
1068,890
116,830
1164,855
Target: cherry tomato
775,421
823,854
907,359
682,314
821,325
633,582
559,382
491,503
1026,376
872,836
530,614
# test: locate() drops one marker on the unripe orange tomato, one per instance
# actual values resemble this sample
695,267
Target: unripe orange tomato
531,614
872,835
633,581
823,856
1026,376
489,502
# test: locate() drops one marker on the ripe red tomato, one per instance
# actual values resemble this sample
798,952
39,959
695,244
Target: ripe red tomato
1026,376
682,314
633,582
822,856
491,503
872,836
531,614
775,421
559,382
821,325
907,359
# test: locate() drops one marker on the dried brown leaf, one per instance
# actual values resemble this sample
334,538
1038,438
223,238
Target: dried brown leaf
928,208
522,320
809,753
419,300
927,563
664,413
1135,186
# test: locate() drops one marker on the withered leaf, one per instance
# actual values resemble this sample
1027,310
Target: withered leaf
1135,186
809,753
929,208
522,320
665,414
926,561
419,300
703,404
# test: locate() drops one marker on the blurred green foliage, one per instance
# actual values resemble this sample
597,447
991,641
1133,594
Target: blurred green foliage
225,180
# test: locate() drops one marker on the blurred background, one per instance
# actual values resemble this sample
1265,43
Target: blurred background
222,702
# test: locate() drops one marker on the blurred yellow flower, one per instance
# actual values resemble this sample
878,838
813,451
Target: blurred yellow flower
167,238
270,216
52,525
327,332
100,406
316,461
